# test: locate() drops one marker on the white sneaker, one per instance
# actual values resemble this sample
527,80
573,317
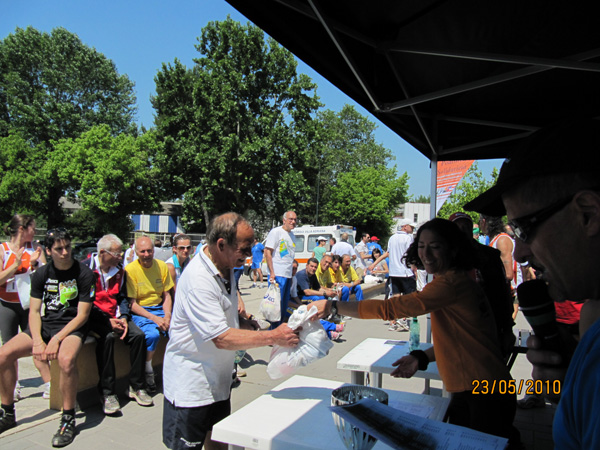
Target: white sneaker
46,393
111,405
17,395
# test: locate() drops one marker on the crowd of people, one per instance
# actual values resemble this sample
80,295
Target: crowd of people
195,301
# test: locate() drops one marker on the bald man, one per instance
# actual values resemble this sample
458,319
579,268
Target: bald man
148,286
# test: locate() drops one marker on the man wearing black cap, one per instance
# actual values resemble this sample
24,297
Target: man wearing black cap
552,180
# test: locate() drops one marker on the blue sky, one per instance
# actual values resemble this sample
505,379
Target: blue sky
140,35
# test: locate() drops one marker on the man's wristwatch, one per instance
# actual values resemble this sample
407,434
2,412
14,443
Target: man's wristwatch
334,309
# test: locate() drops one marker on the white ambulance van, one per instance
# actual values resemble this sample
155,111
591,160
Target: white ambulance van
306,239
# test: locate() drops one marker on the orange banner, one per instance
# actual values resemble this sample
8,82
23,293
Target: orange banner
449,174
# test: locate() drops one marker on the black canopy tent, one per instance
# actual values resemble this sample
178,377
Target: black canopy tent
457,79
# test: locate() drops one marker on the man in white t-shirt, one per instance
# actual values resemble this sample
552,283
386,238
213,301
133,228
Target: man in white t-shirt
402,278
280,250
205,331
363,256
343,247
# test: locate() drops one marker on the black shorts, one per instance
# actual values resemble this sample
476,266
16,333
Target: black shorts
49,329
185,428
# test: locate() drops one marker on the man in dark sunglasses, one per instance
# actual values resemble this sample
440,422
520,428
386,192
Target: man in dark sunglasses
551,182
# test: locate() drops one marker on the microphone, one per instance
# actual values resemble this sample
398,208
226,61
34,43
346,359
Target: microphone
538,308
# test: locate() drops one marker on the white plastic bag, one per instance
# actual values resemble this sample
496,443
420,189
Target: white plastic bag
23,282
270,306
314,344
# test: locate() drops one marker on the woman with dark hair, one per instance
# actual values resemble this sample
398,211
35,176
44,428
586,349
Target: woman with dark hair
334,269
19,256
463,328
381,270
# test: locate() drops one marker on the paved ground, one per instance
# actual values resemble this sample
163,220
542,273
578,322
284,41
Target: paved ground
140,427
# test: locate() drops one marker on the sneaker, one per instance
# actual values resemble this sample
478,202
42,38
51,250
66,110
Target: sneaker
241,373
262,286
253,285
46,393
403,325
17,395
236,383
393,327
339,327
66,432
150,382
7,421
111,405
141,397
531,401
335,335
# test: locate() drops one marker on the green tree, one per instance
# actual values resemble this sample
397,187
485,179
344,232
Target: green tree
367,199
473,184
236,127
52,87
109,176
347,149
22,185
421,199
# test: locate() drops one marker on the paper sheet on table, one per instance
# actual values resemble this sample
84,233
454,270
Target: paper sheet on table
401,430
412,408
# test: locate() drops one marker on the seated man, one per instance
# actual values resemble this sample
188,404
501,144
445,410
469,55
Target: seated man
309,290
66,288
349,280
110,320
323,274
148,285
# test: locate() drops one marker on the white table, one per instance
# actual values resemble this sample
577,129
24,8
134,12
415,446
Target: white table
375,356
295,415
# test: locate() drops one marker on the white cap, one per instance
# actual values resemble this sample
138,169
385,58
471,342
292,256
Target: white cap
403,222
321,238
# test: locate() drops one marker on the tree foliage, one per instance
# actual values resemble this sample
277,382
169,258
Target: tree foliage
236,127
109,176
22,185
53,87
367,198
472,185
353,183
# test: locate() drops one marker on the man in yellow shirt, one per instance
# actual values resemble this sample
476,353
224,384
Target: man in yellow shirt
349,280
148,285
323,273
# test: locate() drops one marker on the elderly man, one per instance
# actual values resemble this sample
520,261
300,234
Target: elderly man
343,247
148,286
280,250
349,280
548,183
66,289
110,320
206,331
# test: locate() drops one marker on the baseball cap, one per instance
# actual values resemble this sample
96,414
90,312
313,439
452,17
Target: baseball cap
321,238
460,215
562,148
403,222
374,238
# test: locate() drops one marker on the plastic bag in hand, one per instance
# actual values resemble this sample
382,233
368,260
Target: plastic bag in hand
270,306
313,345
